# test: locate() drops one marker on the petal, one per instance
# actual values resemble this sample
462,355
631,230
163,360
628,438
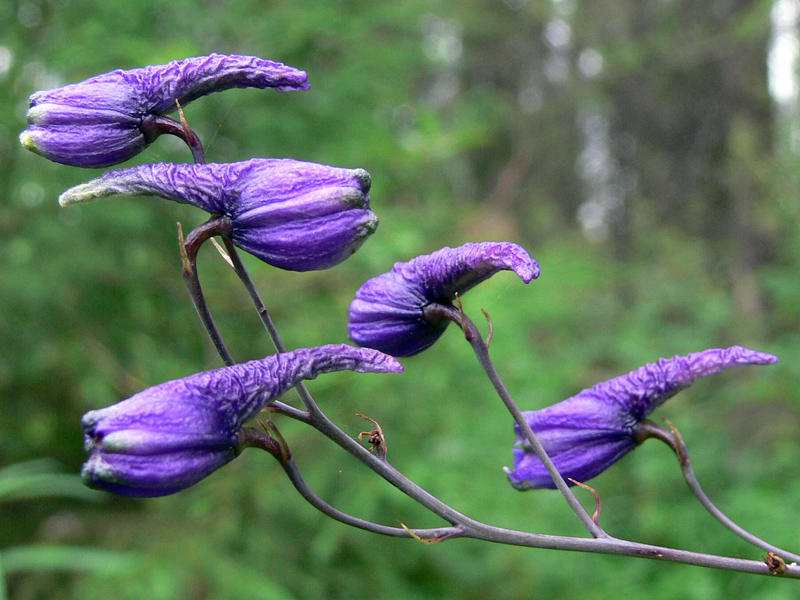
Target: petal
151,476
113,92
583,437
276,190
98,145
217,403
639,392
308,244
170,407
584,457
209,186
154,89
446,272
160,442
258,382
47,113
191,78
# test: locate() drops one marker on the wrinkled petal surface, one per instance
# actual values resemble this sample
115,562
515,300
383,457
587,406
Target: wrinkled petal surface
105,120
388,311
169,437
586,434
293,215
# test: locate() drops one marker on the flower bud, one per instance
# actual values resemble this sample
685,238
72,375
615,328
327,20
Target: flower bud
388,312
586,434
293,215
110,118
169,437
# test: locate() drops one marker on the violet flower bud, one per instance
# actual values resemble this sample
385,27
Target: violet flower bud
586,434
293,215
110,118
168,437
389,311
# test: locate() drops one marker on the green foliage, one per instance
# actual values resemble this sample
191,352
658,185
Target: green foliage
448,105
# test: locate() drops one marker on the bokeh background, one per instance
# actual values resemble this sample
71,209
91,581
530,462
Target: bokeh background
644,151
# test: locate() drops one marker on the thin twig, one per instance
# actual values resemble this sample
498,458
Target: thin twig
672,437
597,503
155,125
189,249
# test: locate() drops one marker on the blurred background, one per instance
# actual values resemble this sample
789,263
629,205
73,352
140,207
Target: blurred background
645,152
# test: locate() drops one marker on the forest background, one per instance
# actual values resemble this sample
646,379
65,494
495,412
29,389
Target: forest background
645,152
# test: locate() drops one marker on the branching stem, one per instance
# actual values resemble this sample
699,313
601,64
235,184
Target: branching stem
481,350
465,527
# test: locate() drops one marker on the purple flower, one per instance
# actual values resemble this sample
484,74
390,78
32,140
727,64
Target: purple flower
389,311
586,434
293,215
171,436
110,118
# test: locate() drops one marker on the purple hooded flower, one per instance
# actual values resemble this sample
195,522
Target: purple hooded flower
293,215
388,312
110,118
171,436
586,434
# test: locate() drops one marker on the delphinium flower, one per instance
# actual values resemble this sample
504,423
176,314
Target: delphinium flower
392,312
586,434
293,215
169,437
110,118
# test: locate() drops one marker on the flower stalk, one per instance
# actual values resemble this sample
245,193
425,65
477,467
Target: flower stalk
672,437
189,249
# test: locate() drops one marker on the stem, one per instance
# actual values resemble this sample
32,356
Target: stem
321,423
481,350
625,548
292,471
250,437
155,125
255,298
189,249
647,428
266,319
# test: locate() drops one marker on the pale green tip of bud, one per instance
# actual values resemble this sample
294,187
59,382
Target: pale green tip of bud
85,192
27,141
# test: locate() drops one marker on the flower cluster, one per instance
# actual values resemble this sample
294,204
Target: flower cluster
302,216
293,215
